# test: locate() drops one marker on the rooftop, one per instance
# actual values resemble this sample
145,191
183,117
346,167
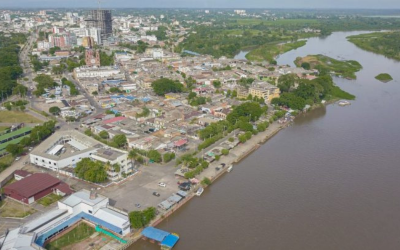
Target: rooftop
33,184
108,153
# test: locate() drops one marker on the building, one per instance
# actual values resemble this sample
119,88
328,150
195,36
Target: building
112,157
100,19
63,150
81,207
33,187
94,33
264,90
92,58
88,42
102,72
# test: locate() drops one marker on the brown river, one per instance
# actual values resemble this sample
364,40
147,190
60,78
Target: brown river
330,181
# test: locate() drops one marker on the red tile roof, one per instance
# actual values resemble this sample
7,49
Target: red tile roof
181,142
33,184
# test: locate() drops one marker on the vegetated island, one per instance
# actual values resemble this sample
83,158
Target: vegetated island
383,43
268,52
384,77
325,64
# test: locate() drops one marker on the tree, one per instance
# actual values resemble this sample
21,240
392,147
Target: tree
154,155
286,82
136,219
149,214
95,93
206,182
165,85
242,138
20,90
217,84
104,134
54,110
192,95
225,151
306,65
167,157
15,149
92,171
120,140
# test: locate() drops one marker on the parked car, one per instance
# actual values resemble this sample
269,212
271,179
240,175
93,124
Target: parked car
162,184
17,159
137,205
156,194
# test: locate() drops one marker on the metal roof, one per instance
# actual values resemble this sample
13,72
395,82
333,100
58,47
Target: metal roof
154,234
33,184
16,132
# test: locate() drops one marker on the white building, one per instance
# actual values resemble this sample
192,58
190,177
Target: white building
81,207
63,150
113,156
95,33
89,72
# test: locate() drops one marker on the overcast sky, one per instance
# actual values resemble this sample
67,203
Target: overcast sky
370,4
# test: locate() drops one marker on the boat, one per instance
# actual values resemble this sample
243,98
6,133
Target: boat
200,191
230,168
344,103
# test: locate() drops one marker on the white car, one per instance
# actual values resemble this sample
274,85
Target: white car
17,158
162,184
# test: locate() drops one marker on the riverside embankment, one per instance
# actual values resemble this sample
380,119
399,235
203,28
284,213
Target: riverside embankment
327,182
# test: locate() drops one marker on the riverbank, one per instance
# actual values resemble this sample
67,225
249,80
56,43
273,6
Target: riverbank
235,155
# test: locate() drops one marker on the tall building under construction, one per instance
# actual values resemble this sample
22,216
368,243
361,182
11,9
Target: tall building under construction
100,19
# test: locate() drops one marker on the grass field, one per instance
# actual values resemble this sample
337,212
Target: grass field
49,199
3,128
16,117
80,232
8,159
343,68
15,209
384,77
268,52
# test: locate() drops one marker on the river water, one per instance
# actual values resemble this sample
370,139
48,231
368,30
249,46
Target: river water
330,181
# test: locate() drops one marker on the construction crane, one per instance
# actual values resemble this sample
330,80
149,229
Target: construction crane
99,3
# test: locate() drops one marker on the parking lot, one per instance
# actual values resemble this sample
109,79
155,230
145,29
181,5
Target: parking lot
139,188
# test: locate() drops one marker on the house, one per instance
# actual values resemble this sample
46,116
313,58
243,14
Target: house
34,187
21,174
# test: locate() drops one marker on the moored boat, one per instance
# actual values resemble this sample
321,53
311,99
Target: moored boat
230,168
200,191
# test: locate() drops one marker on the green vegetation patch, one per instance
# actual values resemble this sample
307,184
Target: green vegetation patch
79,233
325,64
384,77
49,199
383,43
15,209
268,52
17,117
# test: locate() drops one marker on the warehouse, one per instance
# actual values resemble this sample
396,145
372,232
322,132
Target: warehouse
36,186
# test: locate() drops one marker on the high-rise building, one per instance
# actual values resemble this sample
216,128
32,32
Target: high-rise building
95,33
100,19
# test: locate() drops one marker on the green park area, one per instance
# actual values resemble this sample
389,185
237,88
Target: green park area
268,52
383,43
17,117
79,233
49,199
384,77
327,64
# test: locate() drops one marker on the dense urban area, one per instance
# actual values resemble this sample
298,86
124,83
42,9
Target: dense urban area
112,119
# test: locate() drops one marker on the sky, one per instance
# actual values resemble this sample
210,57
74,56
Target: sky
364,4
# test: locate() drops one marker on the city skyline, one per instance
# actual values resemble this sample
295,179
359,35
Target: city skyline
340,4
